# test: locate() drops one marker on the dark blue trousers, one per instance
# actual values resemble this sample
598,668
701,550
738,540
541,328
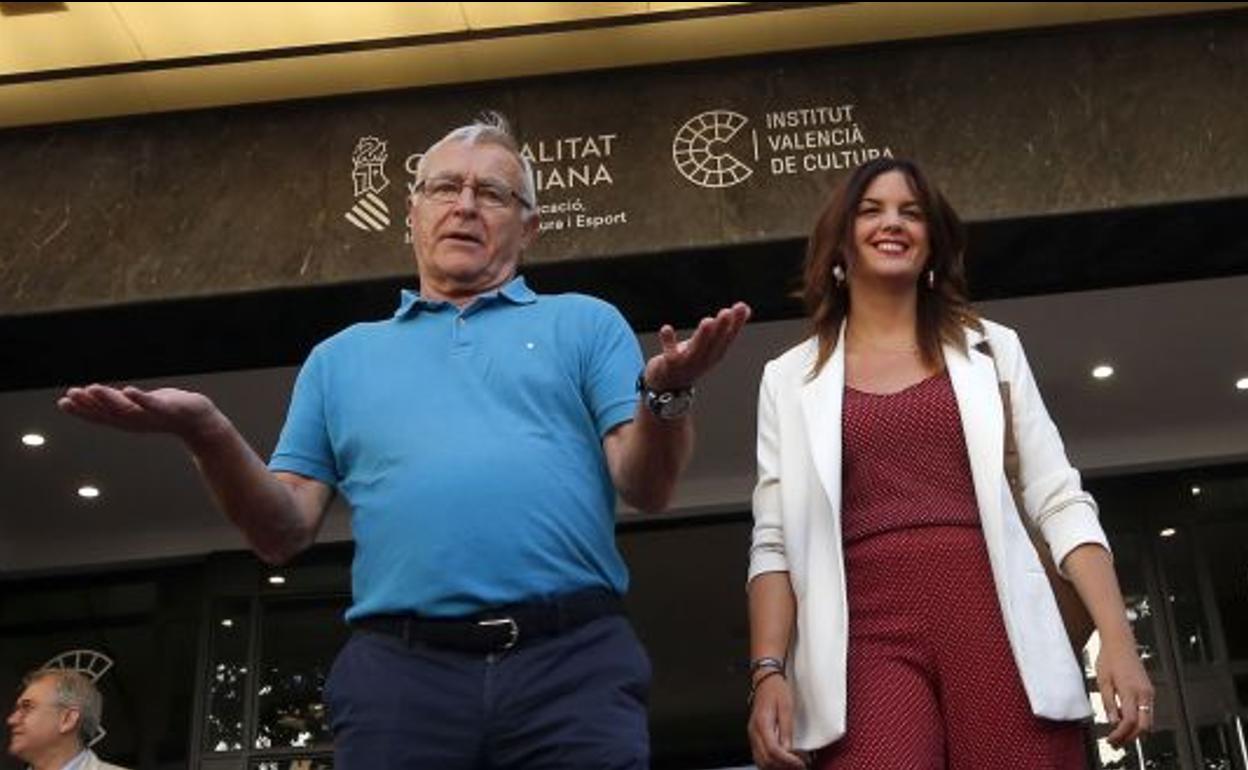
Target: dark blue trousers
571,702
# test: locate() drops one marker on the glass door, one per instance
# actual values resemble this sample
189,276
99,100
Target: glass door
1181,552
1223,710
1205,688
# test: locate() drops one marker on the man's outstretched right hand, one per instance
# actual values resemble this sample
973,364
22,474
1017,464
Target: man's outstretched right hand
190,416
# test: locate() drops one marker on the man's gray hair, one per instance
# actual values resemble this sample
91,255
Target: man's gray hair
489,128
74,690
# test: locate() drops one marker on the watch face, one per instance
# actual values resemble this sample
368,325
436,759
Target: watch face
670,405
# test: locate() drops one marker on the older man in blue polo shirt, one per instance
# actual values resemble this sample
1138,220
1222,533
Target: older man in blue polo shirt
480,437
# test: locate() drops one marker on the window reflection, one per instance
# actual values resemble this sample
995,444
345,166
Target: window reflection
1228,566
1155,751
1113,758
294,763
1191,630
1159,751
1215,748
299,641
1140,616
227,675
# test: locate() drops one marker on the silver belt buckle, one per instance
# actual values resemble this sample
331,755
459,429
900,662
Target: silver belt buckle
512,629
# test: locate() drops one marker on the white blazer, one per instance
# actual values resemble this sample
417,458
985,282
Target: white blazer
797,521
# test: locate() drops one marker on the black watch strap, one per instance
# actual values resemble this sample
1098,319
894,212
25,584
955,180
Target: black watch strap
670,404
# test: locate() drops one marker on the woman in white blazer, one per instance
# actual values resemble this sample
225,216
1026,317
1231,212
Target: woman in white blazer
899,615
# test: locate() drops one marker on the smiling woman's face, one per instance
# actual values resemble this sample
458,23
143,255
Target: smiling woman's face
890,232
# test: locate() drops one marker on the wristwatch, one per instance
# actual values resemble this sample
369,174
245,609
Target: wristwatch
665,404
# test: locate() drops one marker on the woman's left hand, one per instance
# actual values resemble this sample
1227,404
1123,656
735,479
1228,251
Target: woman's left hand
1126,692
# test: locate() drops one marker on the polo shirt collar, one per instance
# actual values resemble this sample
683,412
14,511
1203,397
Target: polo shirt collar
515,291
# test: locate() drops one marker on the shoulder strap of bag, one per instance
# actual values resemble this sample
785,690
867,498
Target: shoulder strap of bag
1075,616
1010,454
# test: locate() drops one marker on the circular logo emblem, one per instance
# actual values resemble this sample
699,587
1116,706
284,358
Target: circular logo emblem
700,149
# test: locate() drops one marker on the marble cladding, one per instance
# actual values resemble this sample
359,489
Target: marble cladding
239,199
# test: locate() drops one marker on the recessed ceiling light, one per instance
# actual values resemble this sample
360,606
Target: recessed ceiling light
34,439
1167,532
1195,491
88,491
277,580
227,623
1103,372
1241,383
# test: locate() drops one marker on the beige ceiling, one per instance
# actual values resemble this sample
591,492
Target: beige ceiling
72,61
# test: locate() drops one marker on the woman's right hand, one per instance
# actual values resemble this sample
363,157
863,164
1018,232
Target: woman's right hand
771,726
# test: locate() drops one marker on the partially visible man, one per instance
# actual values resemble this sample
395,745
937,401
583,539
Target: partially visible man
55,717
480,436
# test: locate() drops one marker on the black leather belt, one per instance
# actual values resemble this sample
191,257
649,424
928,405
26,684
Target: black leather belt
500,629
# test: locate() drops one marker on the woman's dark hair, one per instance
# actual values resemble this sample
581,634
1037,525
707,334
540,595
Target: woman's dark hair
943,311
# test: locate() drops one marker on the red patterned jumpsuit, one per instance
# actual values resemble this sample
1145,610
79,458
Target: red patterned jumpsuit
932,680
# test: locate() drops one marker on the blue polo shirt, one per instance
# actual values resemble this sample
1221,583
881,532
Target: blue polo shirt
468,443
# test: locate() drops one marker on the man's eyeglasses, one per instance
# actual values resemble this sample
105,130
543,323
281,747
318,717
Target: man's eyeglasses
489,195
25,707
